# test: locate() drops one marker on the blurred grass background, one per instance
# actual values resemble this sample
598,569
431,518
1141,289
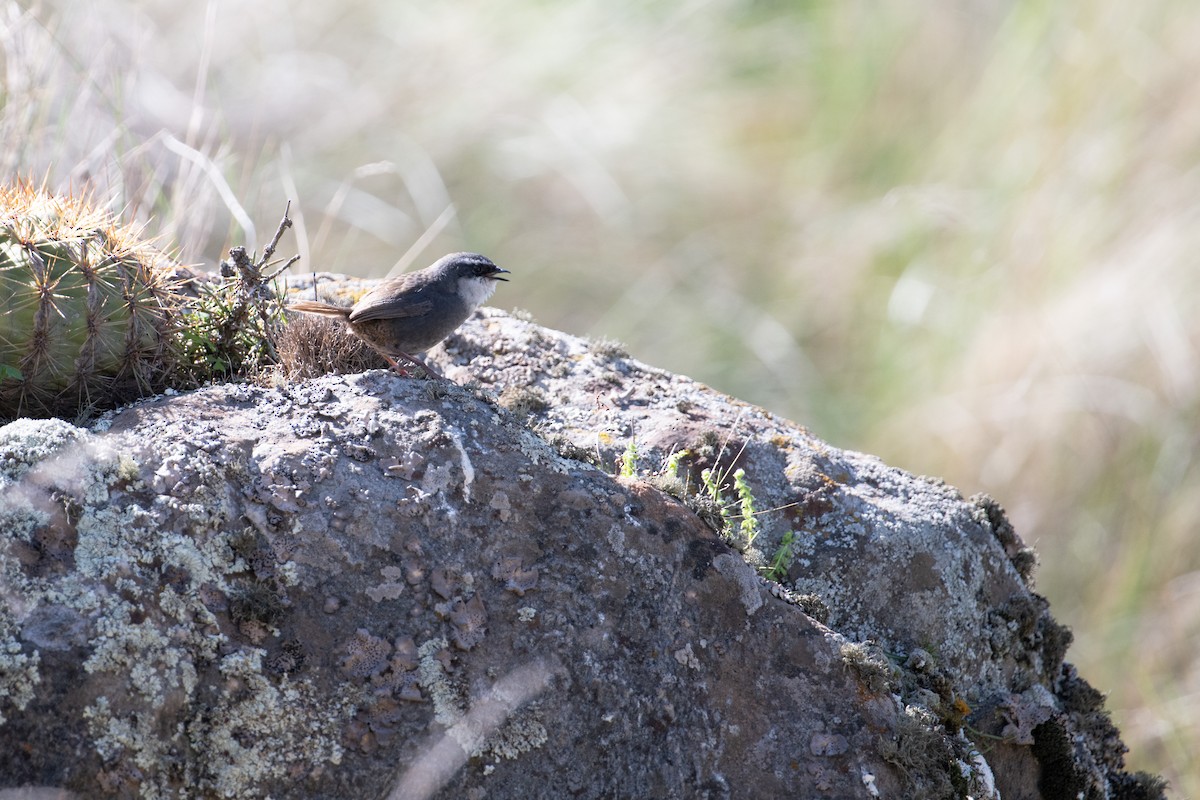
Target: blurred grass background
960,235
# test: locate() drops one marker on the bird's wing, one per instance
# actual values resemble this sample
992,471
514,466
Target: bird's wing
392,299
391,309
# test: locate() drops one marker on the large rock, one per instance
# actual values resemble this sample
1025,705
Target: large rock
373,586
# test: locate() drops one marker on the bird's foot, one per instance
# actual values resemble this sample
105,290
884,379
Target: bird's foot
414,361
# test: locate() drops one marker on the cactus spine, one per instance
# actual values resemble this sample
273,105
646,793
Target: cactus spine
88,308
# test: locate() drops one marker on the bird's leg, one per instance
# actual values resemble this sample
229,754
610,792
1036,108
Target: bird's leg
430,371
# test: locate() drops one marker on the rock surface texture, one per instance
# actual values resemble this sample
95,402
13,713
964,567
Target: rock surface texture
371,586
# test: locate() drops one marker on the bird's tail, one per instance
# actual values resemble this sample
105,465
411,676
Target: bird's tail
324,309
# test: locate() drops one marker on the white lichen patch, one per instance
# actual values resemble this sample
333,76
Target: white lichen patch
541,454
977,771
260,731
519,735
19,518
35,454
257,731
111,538
18,675
516,577
130,737
52,460
868,781
134,561
448,706
184,483
26,442
289,571
184,553
152,664
687,657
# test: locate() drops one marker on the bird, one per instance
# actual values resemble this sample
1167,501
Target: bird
410,313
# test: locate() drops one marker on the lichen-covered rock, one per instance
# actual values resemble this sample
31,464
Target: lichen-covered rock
365,586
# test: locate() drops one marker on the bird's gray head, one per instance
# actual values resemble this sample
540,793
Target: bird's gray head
475,275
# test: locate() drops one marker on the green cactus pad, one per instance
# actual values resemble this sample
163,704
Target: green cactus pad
88,307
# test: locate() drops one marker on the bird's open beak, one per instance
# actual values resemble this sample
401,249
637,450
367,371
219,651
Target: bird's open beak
496,275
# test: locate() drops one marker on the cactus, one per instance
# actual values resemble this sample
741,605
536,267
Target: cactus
87,309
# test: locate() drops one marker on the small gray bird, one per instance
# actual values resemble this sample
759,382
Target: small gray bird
410,313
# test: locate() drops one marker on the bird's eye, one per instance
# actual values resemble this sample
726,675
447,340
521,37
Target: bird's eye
482,270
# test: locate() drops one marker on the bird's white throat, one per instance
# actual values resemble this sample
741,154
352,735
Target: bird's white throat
476,291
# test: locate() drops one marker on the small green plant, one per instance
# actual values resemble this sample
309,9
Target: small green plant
748,525
738,513
628,464
713,480
217,341
724,500
671,467
668,479
782,560
230,330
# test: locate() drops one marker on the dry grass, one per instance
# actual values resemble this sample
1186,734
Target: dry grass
959,235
